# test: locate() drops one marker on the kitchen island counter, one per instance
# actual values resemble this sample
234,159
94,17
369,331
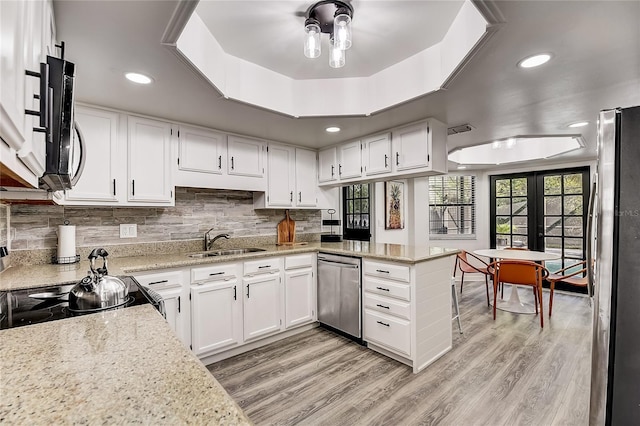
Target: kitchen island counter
20,277
113,367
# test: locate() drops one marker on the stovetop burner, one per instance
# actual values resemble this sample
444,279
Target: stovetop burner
37,305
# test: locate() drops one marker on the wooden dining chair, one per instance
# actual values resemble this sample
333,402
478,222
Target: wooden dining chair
571,279
519,272
465,266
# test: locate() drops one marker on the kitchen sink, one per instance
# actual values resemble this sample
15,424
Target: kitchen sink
226,252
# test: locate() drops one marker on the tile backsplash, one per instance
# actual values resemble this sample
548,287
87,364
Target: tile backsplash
196,210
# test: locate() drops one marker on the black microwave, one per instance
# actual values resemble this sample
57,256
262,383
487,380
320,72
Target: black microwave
64,145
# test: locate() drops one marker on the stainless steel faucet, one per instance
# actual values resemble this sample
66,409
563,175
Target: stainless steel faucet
208,241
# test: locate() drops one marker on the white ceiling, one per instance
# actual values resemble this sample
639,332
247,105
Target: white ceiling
596,65
270,34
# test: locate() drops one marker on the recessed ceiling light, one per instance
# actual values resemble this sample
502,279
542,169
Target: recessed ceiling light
578,124
534,61
332,129
462,167
138,78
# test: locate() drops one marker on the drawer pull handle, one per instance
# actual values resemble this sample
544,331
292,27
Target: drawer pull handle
216,273
159,282
382,306
385,324
383,271
265,266
382,288
235,294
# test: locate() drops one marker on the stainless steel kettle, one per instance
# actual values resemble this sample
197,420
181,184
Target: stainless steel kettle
98,290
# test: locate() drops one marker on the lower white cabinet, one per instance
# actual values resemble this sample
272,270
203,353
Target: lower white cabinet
173,310
262,309
300,289
387,330
216,316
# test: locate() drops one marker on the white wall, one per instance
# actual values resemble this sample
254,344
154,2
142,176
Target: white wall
416,231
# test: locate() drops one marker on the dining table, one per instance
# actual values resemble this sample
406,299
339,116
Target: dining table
513,303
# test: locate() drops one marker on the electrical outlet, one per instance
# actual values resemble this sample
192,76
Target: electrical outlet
128,230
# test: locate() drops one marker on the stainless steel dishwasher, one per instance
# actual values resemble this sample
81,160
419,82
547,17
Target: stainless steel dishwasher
339,294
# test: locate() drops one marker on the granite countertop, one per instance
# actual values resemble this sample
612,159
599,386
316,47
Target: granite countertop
20,277
113,367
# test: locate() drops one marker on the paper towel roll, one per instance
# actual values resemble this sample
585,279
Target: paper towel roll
66,243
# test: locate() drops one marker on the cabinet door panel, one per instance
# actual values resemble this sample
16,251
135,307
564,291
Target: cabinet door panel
201,150
216,318
350,165
281,180
411,147
377,154
149,146
327,165
305,178
299,297
99,178
245,157
173,305
261,306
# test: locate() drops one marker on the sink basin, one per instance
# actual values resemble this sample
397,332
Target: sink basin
226,252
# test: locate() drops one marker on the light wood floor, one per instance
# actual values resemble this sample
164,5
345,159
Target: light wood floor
507,372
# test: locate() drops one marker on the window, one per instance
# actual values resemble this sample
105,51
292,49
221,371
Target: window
452,206
356,217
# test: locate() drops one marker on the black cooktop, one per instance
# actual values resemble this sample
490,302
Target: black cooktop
42,304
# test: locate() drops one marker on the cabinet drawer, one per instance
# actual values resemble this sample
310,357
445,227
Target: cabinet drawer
262,266
394,333
298,261
214,273
160,280
387,288
387,305
387,270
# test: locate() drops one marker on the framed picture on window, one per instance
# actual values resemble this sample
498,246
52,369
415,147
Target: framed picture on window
394,204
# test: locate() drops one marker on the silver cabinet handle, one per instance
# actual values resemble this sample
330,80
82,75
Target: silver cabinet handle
385,324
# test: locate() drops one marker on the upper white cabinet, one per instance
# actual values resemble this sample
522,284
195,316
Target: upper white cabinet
291,175
328,165
128,160
245,157
101,180
419,149
27,35
210,159
201,151
376,154
306,185
149,148
350,160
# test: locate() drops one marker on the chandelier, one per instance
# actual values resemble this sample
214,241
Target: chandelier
331,17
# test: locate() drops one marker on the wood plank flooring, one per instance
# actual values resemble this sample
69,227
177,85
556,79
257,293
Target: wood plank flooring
503,372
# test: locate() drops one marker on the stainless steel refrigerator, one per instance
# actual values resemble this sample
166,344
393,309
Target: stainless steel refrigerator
615,274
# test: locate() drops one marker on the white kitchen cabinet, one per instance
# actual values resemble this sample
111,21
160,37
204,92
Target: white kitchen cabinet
173,286
350,162
101,180
201,151
216,316
300,300
14,37
328,165
291,175
149,161
411,147
281,175
376,153
262,308
244,156
305,178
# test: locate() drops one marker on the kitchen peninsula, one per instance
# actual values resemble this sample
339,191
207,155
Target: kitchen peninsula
130,358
